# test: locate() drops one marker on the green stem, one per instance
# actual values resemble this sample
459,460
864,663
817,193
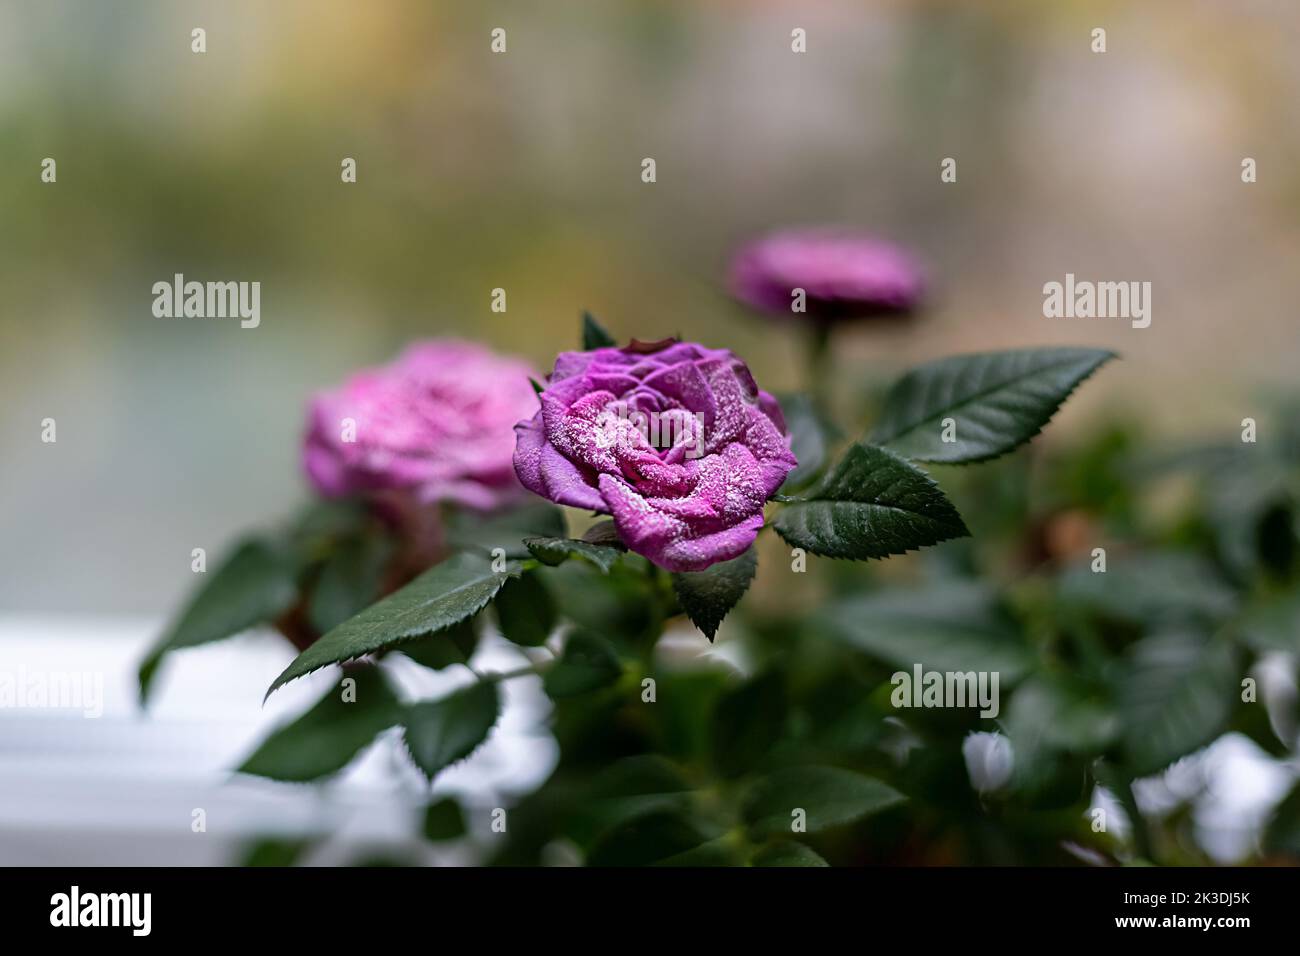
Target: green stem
1121,783
1141,833
818,363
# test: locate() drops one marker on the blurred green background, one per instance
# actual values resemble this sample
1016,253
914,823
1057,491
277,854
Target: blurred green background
522,171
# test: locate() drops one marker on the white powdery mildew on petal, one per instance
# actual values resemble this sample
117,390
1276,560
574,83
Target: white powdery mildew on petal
607,448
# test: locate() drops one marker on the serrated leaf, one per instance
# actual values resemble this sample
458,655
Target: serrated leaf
1176,693
349,582
828,796
787,853
594,335
588,663
555,551
440,732
326,738
525,610
953,627
870,505
254,585
707,596
997,400
440,597
452,645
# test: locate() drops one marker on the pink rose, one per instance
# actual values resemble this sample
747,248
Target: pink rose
435,423
843,275
672,439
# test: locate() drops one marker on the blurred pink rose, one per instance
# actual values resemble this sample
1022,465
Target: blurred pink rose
437,423
844,275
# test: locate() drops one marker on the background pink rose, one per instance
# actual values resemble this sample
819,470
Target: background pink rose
436,423
843,274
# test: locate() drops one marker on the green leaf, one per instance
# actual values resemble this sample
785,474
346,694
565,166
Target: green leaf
953,627
440,597
828,796
471,531
624,605
1151,588
639,776
273,851
746,723
254,585
588,663
997,400
787,853
706,596
525,610
443,820
555,551
1061,714
1176,693
1273,623
349,582
810,439
651,838
721,851
685,703
1282,834
594,335
326,738
629,787
872,504
1051,716
452,645
440,732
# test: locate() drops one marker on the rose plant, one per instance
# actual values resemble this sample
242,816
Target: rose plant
665,523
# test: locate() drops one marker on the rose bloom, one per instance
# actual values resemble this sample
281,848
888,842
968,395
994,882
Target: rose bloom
686,494
844,275
435,424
